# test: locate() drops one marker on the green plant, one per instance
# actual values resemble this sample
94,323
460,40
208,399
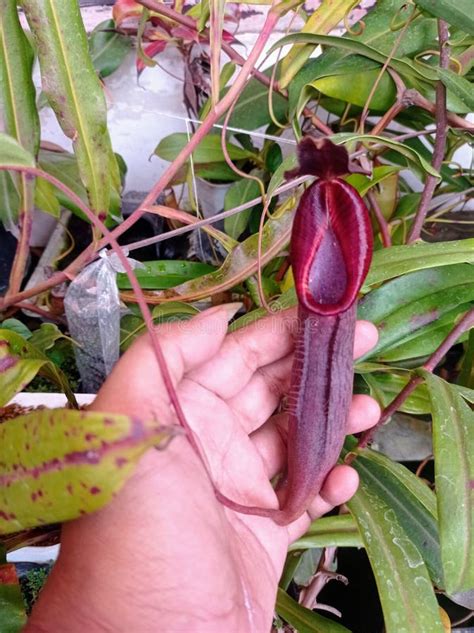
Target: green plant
409,66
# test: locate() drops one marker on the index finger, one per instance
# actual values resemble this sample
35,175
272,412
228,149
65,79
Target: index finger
244,351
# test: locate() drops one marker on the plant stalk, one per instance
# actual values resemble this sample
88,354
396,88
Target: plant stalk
441,135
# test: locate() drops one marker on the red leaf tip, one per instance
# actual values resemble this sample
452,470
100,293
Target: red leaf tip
320,157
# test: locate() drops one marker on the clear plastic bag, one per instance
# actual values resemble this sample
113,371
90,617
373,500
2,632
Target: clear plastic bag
93,312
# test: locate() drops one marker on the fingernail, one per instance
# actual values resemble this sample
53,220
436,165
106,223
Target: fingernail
230,310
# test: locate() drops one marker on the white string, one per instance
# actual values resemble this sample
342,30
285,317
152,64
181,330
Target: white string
278,139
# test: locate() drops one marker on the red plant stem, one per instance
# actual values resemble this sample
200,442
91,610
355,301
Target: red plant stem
440,142
23,245
44,313
466,323
381,221
140,299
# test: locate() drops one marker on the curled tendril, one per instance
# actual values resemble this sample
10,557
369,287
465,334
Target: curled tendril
453,61
397,25
345,119
360,23
459,167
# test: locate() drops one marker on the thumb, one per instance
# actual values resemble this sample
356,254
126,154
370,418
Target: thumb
136,385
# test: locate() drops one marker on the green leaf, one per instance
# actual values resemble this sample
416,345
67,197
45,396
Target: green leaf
423,341
404,586
459,86
466,392
457,13
325,18
12,153
278,177
412,502
161,274
251,110
355,85
12,608
220,172
16,326
74,92
17,90
448,174
334,531
29,360
108,48
18,96
45,198
63,463
15,373
227,72
453,446
45,336
9,201
239,193
399,260
466,375
304,620
404,308
209,149
63,166
363,184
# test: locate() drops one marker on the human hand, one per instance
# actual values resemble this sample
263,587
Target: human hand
165,554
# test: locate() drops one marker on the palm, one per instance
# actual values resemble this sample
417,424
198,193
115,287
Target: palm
218,570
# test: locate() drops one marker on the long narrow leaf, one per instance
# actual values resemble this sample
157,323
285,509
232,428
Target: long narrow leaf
458,13
304,620
453,445
74,92
336,531
411,500
405,590
21,121
398,260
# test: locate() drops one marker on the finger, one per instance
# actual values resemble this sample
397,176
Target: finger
266,387
244,351
136,386
363,414
188,344
341,485
366,337
270,442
